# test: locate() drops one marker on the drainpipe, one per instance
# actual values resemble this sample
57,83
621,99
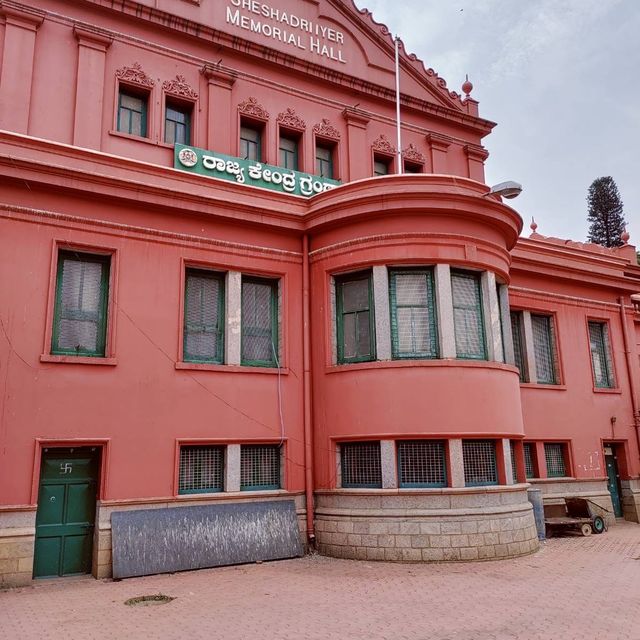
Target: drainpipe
306,363
630,372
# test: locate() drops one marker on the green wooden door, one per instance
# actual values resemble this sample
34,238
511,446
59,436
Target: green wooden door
66,512
613,479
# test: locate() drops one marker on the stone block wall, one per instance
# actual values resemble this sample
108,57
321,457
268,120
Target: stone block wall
631,500
17,535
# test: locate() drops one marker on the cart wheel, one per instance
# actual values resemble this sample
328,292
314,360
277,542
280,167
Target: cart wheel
586,529
598,524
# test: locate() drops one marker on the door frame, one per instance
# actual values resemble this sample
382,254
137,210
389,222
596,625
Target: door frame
619,448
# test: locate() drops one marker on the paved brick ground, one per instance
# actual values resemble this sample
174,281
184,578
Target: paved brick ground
573,588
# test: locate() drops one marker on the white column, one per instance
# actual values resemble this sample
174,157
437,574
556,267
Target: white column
381,312
491,312
529,355
503,298
444,304
388,464
233,312
232,468
456,463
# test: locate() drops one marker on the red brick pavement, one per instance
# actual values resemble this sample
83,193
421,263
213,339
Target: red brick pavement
573,588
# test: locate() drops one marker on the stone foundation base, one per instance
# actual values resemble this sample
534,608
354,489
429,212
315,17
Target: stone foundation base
631,500
17,535
432,525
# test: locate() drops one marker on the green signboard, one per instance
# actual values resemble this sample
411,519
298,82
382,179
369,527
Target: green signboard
250,172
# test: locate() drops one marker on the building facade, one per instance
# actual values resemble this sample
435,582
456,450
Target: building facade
216,288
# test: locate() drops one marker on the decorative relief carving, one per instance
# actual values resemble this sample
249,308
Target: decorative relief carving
135,74
180,87
325,129
252,108
382,144
412,153
291,119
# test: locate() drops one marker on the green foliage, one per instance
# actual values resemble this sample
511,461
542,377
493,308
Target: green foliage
606,219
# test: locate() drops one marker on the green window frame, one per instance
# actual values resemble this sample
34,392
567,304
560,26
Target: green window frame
259,330
554,453
601,363
201,469
355,318
177,122
289,151
361,465
203,328
480,465
544,348
132,111
413,314
251,142
468,318
324,159
81,304
421,463
517,334
260,467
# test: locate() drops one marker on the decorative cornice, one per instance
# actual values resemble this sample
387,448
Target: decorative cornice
354,116
325,129
180,87
217,75
382,144
135,74
438,141
21,15
92,36
291,119
412,153
252,108
476,152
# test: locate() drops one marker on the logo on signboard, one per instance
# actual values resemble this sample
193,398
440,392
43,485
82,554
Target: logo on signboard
188,157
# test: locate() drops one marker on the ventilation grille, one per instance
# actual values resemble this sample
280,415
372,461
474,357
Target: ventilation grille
422,464
259,467
361,465
201,469
479,462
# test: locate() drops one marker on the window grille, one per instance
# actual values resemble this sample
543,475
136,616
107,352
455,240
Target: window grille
601,354
250,143
467,316
479,457
528,460
259,467
203,316
132,112
361,465
554,455
288,152
259,322
80,313
544,349
514,466
413,324
356,328
421,463
324,160
517,331
177,123
201,469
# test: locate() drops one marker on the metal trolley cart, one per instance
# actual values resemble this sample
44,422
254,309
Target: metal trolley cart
579,514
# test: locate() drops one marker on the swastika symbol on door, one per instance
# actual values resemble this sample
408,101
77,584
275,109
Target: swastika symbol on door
65,467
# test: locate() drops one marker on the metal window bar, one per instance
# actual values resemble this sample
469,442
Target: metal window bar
177,125
250,143
554,456
514,466
203,316
355,322
544,349
517,331
80,312
467,316
259,340
528,460
288,153
601,355
361,465
201,469
259,467
132,113
324,161
421,463
479,458
413,324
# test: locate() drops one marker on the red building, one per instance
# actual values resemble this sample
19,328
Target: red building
217,290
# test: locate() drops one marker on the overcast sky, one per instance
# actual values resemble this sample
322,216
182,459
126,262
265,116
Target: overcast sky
562,80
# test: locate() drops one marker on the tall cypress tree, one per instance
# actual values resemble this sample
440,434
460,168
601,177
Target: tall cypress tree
606,220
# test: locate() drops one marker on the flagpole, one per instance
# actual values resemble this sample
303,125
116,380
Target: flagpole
399,142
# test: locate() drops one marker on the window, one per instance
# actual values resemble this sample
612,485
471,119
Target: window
529,467
554,456
413,323
251,142
177,123
361,465
288,151
479,458
601,355
259,322
259,467
201,469
381,165
517,332
80,313
421,463
203,316
544,349
324,159
412,167
356,329
467,315
132,111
